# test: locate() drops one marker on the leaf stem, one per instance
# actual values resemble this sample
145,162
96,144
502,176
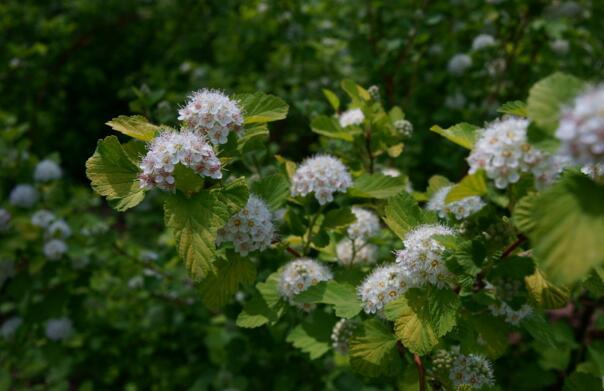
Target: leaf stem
310,229
421,372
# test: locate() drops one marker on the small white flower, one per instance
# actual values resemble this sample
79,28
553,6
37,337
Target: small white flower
422,257
58,229
5,218
171,148
59,329
322,175
404,127
384,284
374,91
503,151
459,63
47,170
55,249
361,253
367,224
391,172
23,196
560,46
460,208
10,326
249,229
148,256
136,282
42,218
472,370
351,117
511,315
581,129
212,114
483,41
340,335
299,275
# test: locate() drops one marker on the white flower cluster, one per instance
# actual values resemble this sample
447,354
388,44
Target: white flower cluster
299,275
340,335
58,329
442,360
459,63
42,218
482,41
367,224
148,256
5,218
595,171
7,270
357,251
422,256
391,172
171,148
213,114
47,170
351,117
23,196
54,249
384,284
10,326
471,370
511,315
56,230
560,46
249,229
504,153
404,127
323,175
460,208
581,129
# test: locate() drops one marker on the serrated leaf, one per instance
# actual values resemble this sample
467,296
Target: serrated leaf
547,97
195,222
373,349
261,107
546,294
516,107
187,180
314,335
265,307
377,186
471,185
522,216
540,330
218,288
135,126
355,91
462,134
329,127
402,214
415,333
337,218
332,99
342,296
274,189
233,195
568,224
113,175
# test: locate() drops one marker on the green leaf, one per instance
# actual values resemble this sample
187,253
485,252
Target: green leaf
195,222
522,216
265,307
218,289
516,107
463,134
332,98
187,180
471,185
314,335
548,96
373,349
355,91
114,175
377,186
337,218
415,333
253,138
274,189
492,332
582,382
568,223
260,107
544,293
402,214
342,296
435,183
135,126
329,127
541,330
233,195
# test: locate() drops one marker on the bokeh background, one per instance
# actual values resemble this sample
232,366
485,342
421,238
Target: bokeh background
67,67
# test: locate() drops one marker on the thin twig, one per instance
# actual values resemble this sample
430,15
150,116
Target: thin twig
147,265
421,372
512,247
310,229
293,252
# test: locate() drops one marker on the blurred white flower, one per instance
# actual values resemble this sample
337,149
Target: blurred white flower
459,63
42,218
10,326
460,208
483,41
351,117
511,315
55,249
47,170
58,229
340,335
361,253
560,46
23,196
366,225
59,329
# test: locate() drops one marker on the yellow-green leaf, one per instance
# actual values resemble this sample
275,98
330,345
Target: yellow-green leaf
135,126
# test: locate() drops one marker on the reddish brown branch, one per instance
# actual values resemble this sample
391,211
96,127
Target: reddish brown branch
421,371
293,252
508,251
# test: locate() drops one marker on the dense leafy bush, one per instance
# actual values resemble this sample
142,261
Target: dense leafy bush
435,226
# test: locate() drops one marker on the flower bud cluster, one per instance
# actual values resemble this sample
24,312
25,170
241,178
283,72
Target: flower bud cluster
171,148
384,284
461,208
322,175
471,370
212,114
504,153
249,229
299,275
422,257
